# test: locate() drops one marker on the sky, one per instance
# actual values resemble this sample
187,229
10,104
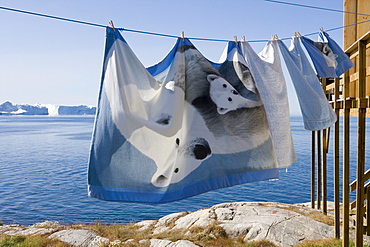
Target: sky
49,61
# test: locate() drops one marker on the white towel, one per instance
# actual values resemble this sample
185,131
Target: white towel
316,110
268,75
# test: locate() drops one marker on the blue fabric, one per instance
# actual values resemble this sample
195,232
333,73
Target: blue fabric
166,62
316,110
191,189
328,58
177,129
344,62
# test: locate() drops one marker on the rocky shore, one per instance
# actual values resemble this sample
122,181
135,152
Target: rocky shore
280,224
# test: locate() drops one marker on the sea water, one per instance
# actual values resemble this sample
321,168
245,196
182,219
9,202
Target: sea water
43,175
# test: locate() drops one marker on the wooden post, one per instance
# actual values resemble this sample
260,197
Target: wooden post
324,171
313,160
319,174
367,194
324,151
361,143
336,164
346,129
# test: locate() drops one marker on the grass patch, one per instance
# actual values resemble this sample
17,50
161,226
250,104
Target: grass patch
330,242
210,232
261,243
322,243
316,215
30,241
313,214
119,232
227,242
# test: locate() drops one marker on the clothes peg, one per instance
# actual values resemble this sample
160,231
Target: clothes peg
243,39
182,36
322,29
112,26
236,38
274,37
297,34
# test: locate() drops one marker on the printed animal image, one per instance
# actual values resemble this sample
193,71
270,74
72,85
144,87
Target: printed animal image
329,56
227,115
179,128
245,119
187,114
225,96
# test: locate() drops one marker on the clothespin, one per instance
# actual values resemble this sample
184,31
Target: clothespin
182,36
236,39
243,39
297,34
322,29
112,25
274,37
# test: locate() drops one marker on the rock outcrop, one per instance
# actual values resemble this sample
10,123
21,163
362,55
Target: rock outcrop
250,221
281,224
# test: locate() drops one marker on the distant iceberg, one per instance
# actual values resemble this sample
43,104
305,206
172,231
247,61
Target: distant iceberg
7,108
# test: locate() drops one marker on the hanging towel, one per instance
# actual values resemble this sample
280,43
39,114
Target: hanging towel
174,130
344,63
268,75
328,58
316,110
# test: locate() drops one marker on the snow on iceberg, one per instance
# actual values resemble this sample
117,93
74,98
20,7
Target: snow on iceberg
7,108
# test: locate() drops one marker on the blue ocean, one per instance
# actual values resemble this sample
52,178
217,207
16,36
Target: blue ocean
43,175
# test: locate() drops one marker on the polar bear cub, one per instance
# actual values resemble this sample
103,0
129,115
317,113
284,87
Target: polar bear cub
225,96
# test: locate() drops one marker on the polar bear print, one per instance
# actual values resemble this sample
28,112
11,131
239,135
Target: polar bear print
329,56
219,125
192,153
226,97
188,117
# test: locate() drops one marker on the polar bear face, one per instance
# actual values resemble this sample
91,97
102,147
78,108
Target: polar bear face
226,97
329,56
189,156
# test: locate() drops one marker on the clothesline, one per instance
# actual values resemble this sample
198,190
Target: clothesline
169,35
315,7
227,40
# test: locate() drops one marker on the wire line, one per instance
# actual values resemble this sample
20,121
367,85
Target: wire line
146,32
174,36
354,24
52,17
315,7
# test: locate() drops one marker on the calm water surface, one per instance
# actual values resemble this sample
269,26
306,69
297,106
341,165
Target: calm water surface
43,175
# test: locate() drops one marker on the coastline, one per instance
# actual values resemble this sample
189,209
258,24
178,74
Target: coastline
278,223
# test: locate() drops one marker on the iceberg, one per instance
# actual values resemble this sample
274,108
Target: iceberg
8,108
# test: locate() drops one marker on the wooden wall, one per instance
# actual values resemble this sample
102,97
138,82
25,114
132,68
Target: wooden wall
351,35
